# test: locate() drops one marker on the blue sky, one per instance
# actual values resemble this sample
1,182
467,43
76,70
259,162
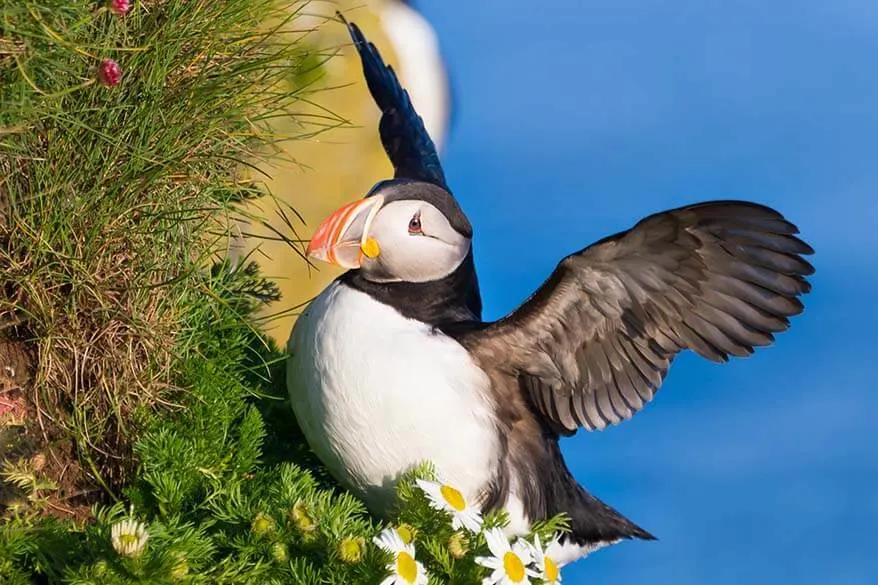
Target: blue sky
575,118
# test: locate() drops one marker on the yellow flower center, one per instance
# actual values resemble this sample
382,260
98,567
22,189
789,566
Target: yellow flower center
453,497
301,517
351,549
128,539
551,569
406,533
406,567
513,566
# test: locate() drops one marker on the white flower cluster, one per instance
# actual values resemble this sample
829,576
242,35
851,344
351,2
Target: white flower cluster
511,563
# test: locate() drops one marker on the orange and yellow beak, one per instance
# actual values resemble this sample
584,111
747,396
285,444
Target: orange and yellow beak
343,237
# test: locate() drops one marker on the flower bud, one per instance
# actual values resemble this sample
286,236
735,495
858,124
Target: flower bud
180,568
351,549
280,553
262,524
120,7
407,533
301,517
458,545
109,72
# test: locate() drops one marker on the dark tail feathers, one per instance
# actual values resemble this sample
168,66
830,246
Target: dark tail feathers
592,522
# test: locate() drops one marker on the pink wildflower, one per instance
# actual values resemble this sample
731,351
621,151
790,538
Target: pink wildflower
109,72
120,7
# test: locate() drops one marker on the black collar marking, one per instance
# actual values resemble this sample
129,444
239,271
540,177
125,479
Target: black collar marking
452,299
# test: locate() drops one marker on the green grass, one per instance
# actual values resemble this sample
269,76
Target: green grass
116,198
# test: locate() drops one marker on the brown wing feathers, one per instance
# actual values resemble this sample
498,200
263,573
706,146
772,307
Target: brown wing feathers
593,344
750,280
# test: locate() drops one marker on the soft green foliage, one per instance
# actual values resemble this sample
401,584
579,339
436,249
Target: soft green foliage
114,207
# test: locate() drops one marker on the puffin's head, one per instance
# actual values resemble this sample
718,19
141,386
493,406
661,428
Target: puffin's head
402,231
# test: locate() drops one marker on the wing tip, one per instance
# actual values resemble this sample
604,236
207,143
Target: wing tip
353,29
381,79
417,158
364,47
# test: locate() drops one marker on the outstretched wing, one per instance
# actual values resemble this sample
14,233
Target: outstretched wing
402,130
593,344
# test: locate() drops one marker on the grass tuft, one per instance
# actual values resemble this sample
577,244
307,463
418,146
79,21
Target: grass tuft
113,201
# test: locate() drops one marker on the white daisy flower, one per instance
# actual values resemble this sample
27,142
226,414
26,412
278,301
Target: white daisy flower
508,561
449,499
546,559
129,537
404,570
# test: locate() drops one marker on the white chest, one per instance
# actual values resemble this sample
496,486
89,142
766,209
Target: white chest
375,393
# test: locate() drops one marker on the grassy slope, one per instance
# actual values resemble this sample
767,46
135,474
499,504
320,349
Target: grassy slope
113,200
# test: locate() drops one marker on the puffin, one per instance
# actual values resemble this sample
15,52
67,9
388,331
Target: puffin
392,365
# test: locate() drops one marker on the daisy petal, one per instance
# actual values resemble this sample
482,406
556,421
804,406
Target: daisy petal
490,562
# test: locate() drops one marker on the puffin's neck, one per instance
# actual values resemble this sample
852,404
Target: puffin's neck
452,299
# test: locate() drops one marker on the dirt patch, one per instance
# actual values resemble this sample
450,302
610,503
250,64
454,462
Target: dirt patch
15,365
39,474
15,373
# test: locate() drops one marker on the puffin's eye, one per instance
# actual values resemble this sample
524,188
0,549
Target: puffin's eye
415,224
